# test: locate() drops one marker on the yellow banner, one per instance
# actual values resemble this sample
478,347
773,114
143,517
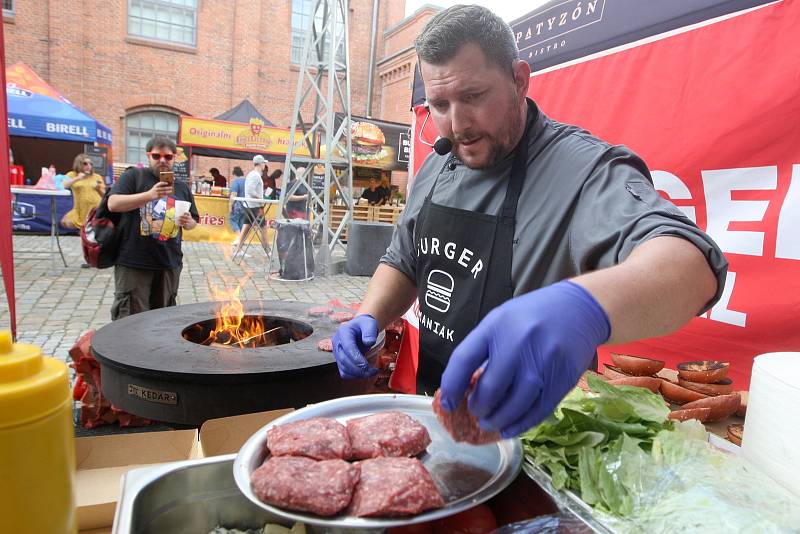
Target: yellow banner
214,225
253,137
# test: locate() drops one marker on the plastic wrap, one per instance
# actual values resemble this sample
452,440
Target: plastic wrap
690,486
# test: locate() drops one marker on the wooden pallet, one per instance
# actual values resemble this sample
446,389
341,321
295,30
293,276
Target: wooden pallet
384,214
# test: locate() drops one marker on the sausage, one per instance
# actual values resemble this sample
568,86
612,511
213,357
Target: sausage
721,406
701,414
742,411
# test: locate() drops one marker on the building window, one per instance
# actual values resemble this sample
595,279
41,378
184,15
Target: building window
142,126
301,16
171,21
8,8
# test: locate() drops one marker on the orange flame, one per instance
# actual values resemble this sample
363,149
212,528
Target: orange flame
233,327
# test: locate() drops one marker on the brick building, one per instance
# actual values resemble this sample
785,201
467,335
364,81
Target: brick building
137,65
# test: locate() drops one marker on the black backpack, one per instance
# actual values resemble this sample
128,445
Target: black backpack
101,235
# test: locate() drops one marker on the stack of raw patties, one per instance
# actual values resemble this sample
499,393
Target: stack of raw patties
307,467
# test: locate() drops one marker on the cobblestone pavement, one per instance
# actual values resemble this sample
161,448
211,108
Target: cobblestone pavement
55,305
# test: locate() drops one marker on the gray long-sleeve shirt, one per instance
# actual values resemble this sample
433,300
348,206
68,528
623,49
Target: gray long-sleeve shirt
584,206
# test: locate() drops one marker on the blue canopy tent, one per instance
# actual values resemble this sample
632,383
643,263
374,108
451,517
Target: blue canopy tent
45,129
35,109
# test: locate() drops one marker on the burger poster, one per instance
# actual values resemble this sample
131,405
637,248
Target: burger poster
378,144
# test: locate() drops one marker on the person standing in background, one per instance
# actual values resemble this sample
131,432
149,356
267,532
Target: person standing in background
87,188
297,201
235,208
254,188
374,194
273,182
148,269
219,180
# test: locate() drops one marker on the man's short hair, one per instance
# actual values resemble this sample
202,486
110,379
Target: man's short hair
160,141
213,170
445,34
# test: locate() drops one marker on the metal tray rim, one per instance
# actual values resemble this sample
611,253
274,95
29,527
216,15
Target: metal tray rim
135,480
565,499
509,453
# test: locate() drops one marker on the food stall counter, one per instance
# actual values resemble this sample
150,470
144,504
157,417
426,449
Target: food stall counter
214,225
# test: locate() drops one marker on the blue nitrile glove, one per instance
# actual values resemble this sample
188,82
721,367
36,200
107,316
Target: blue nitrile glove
351,342
536,347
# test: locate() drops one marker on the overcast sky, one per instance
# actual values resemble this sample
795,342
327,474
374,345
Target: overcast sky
507,10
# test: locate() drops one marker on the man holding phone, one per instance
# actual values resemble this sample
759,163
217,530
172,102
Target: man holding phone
148,268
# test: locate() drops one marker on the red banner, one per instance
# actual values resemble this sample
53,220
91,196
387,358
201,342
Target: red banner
713,111
6,242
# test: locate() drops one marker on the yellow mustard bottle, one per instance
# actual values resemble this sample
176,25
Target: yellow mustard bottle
37,442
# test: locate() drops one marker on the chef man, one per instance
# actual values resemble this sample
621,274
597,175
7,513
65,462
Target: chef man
529,245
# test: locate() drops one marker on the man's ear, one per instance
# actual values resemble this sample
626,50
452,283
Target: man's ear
522,77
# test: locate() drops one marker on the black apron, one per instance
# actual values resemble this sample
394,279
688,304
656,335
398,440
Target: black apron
463,268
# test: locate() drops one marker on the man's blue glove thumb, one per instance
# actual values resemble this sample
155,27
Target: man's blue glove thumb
536,346
351,342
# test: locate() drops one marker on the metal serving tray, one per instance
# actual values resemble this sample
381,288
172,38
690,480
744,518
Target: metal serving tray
466,475
192,496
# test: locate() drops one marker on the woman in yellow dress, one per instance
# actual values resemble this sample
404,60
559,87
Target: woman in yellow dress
87,188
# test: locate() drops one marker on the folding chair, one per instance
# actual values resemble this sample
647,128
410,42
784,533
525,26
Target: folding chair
255,223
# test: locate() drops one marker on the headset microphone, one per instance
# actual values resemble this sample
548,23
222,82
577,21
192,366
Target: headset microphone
443,145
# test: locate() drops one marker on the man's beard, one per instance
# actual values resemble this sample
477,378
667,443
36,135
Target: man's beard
498,149
159,167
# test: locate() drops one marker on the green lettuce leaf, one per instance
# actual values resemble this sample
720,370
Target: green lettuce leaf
598,443
622,403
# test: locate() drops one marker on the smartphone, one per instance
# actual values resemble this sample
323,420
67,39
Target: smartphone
167,177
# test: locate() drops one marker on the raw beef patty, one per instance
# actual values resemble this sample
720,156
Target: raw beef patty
296,483
391,487
387,434
317,438
460,423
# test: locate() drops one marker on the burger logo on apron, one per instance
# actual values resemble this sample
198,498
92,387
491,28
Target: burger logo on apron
439,288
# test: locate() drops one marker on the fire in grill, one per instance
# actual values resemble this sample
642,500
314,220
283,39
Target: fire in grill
176,364
252,331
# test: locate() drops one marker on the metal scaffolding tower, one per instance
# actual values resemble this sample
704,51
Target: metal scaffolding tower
324,78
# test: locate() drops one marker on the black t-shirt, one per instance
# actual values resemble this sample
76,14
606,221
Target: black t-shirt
151,240
375,197
297,205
